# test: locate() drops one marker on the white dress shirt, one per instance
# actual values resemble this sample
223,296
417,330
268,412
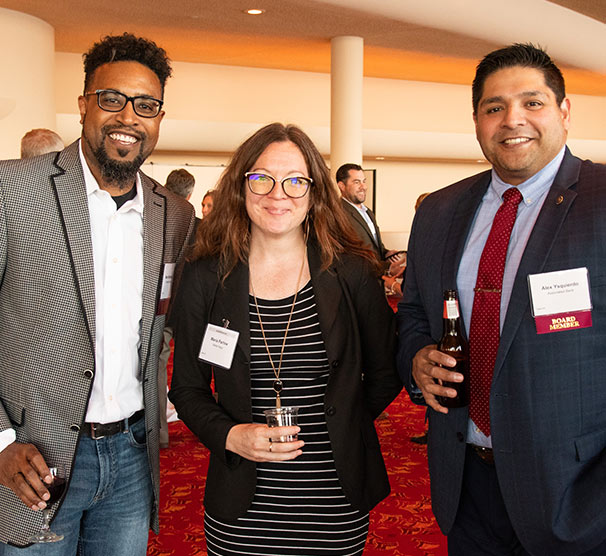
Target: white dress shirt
117,238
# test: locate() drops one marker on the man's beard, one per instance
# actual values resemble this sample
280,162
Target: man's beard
117,172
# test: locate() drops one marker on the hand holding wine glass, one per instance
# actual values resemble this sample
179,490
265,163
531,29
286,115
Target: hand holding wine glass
56,489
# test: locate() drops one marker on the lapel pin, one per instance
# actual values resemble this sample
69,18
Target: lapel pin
559,200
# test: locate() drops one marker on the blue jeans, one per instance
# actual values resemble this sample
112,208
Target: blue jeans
107,508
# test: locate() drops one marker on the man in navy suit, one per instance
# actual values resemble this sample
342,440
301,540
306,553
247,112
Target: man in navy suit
533,481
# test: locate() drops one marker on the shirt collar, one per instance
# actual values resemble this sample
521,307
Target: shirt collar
534,187
92,186
362,208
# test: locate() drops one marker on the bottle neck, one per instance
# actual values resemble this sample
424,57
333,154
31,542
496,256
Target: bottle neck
451,327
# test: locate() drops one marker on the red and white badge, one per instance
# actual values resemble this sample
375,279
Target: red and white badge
560,300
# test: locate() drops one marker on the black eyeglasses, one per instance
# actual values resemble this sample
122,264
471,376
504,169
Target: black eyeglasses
114,101
262,184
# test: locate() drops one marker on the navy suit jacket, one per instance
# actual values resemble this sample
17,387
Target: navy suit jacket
548,402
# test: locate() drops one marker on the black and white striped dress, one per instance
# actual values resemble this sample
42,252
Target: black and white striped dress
299,508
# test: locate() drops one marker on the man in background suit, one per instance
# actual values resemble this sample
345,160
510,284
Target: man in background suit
87,249
529,475
352,183
181,183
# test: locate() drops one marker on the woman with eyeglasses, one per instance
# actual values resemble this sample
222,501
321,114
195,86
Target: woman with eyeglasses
282,306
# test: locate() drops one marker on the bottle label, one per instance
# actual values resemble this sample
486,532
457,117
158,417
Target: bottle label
451,309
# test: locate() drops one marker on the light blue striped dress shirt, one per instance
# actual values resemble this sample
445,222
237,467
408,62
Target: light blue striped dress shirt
534,192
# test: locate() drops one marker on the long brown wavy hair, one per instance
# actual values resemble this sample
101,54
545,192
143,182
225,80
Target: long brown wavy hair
225,232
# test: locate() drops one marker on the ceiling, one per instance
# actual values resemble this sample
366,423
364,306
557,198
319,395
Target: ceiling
295,34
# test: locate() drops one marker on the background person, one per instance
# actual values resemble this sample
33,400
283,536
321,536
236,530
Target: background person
352,184
523,469
40,141
277,263
80,322
181,183
207,203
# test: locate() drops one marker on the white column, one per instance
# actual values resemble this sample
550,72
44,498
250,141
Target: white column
346,71
27,95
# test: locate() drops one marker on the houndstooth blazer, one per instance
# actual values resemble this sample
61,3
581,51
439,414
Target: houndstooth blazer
47,311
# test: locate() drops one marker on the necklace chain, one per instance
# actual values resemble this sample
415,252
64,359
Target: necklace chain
277,385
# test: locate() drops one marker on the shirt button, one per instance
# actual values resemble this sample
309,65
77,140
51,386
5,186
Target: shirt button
115,260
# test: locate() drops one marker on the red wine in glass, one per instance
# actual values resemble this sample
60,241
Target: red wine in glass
56,490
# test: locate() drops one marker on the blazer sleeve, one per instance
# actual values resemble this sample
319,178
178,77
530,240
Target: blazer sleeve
376,322
414,331
191,391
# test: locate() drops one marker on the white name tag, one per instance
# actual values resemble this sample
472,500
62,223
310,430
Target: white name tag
218,346
167,280
562,291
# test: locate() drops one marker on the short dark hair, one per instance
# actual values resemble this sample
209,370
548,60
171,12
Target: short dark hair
127,48
180,182
343,171
526,55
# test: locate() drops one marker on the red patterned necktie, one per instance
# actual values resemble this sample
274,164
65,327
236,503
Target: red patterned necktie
484,329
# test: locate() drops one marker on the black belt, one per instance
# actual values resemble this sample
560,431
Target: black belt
99,430
485,454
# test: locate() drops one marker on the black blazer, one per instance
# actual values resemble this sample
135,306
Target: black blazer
547,403
363,231
359,334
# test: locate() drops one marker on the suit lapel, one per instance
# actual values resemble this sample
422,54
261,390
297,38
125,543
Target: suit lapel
154,222
542,239
328,292
72,205
231,306
460,225
378,242
360,220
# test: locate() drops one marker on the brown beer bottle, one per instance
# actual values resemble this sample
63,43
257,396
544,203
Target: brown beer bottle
454,344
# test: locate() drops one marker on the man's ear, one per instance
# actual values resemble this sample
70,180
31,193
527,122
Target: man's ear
82,107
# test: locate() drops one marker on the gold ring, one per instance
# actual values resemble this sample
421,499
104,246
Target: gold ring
270,446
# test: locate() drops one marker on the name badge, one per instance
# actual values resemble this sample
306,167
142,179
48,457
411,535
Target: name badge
560,300
218,346
165,290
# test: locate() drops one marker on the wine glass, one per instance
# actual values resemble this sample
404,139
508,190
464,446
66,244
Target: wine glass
56,489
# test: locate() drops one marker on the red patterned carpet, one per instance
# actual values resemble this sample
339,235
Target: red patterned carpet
401,525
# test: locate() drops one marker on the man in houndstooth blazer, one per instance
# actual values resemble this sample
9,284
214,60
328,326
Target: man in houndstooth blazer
79,340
